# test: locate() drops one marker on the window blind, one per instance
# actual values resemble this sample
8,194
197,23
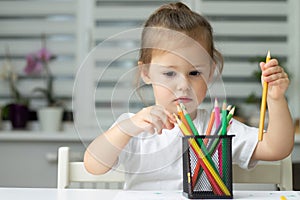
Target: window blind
21,25
243,30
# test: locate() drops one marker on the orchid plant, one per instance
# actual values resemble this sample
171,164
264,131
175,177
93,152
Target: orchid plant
37,63
8,73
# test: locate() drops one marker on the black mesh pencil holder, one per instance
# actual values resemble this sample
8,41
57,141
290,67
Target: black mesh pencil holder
207,167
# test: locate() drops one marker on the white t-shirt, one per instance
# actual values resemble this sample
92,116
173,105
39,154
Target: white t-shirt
154,162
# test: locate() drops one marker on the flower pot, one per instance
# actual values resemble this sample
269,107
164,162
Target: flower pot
18,115
50,118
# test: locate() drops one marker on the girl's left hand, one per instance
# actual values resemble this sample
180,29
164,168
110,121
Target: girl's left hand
277,79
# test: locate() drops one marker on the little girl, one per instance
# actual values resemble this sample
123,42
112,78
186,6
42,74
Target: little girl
178,59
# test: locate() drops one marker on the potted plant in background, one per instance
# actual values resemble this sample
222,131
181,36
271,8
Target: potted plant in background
17,111
50,116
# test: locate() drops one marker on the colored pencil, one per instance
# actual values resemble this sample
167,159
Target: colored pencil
217,113
223,146
210,125
263,104
213,176
213,145
224,119
188,119
181,116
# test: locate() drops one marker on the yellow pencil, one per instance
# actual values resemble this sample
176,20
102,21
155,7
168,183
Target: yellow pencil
263,105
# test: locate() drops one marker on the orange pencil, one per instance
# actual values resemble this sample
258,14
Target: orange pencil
210,125
263,105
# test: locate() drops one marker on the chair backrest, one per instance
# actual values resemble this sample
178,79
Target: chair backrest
278,173
75,172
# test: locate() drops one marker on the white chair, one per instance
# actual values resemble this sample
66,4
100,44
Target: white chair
278,173
75,172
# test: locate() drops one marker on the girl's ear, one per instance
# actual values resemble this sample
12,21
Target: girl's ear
144,70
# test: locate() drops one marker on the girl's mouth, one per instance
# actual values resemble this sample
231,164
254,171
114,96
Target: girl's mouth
183,99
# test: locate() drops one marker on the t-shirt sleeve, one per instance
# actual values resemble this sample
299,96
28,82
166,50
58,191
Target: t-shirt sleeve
243,144
122,157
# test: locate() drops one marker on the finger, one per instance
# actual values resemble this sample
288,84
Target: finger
273,70
156,122
149,128
169,124
165,117
272,62
262,66
275,75
282,81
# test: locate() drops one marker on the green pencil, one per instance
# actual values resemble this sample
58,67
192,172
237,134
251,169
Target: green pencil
224,119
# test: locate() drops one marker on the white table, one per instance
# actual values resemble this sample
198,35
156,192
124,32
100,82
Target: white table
98,194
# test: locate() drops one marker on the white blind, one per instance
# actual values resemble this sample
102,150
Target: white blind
21,25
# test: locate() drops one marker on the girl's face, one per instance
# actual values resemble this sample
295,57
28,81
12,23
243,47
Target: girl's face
178,78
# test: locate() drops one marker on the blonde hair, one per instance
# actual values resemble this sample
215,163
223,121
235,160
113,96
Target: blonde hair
178,17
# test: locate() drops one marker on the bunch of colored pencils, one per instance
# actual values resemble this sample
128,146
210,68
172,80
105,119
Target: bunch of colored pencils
204,149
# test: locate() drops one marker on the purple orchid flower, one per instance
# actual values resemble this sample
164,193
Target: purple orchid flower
33,66
44,55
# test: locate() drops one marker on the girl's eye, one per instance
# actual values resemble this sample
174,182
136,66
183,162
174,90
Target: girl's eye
195,73
169,74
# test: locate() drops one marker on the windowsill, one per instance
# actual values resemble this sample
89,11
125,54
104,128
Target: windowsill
33,133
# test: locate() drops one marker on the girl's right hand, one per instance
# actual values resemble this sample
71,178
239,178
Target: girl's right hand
150,119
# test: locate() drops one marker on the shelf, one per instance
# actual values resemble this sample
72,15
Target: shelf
46,136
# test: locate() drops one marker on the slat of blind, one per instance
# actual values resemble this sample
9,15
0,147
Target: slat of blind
239,69
242,8
106,32
61,87
34,27
23,47
240,28
230,48
58,67
113,53
113,74
38,8
123,13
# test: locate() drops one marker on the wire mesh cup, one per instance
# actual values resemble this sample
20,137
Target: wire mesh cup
207,167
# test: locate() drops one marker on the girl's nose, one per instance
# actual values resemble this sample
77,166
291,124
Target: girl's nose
183,83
